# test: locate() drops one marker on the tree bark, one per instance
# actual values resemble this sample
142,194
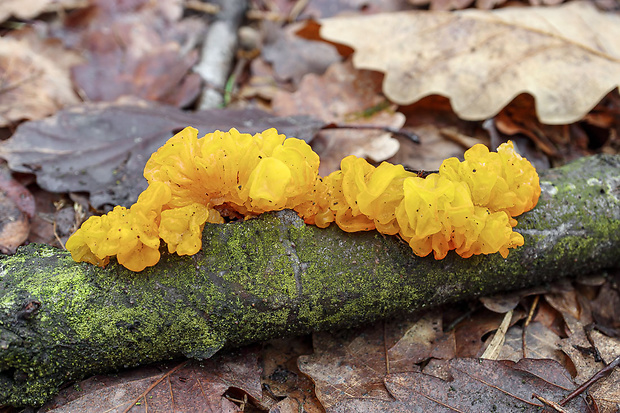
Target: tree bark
275,276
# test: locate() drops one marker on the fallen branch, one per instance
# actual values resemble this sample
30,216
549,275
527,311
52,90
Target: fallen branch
275,276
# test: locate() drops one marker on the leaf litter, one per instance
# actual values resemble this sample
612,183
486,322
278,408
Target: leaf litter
574,329
567,57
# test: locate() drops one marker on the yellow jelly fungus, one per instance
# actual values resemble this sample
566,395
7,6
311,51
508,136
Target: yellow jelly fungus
467,206
130,234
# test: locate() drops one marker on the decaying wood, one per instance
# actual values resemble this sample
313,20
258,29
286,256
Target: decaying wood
275,276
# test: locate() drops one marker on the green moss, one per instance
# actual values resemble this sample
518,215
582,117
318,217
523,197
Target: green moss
268,277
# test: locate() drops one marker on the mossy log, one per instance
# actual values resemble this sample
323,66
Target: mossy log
275,276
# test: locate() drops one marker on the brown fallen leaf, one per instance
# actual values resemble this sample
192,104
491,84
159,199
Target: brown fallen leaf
14,225
285,389
540,343
16,210
348,97
567,57
416,344
34,77
191,386
470,332
606,393
443,4
476,385
321,9
141,49
293,57
347,363
606,310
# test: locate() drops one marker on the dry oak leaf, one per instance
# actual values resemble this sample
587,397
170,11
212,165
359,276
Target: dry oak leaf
567,57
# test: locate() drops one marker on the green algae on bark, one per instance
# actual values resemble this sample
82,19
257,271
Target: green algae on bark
275,276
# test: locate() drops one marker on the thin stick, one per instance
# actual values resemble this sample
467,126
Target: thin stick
527,323
602,373
152,386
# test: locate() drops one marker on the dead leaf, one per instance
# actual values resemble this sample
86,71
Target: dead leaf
348,363
416,344
469,333
579,350
196,386
14,225
606,393
140,49
34,77
16,192
293,57
262,85
281,379
567,57
476,386
321,9
606,309
102,148
571,304
349,97
540,343
16,209
443,4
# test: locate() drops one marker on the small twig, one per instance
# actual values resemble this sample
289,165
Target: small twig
218,53
299,6
152,386
555,406
527,323
599,375
456,322
406,134
385,348
62,244
496,344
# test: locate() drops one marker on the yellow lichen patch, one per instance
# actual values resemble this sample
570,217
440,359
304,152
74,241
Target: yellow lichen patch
467,207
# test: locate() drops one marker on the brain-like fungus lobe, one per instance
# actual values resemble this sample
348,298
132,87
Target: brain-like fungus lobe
468,206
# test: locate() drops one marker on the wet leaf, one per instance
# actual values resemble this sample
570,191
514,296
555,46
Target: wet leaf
567,57
476,386
540,343
195,386
416,345
102,148
348,363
